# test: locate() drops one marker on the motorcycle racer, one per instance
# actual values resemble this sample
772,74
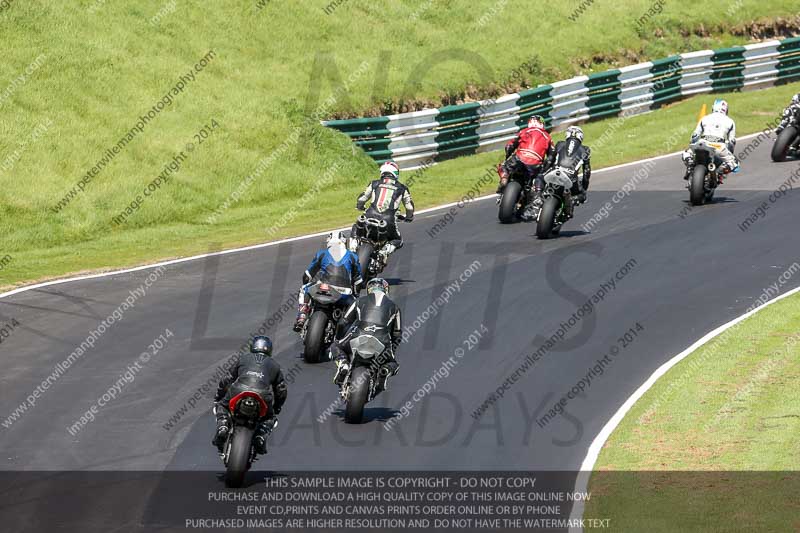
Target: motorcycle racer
258,370
334,265
380,317
385,195
526,154
716,127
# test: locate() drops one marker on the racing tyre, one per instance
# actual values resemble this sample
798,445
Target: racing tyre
509,201
238,457
314,344
697,185
781,147
547,217
357,399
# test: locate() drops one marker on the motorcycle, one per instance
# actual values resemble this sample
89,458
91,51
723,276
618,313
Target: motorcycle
514,198
557,202
360,384
705,176
319,330
372,235
238,453
788,142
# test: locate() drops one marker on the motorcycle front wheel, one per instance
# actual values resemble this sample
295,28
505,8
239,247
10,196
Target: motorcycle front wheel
238,457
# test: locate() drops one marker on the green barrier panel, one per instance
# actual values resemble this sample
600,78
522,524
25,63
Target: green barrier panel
666,80
604,90
728,70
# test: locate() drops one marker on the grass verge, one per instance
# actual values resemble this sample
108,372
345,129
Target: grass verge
713,445
634,138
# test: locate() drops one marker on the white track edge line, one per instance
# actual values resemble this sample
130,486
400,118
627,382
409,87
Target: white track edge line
26,288
582,481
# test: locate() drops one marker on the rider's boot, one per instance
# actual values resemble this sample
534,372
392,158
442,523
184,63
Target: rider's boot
342,368
260,440
302,316
534,206
383,255
223,427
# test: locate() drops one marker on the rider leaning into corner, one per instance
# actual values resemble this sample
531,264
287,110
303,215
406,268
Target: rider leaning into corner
335,265
715,127
376,315
572,156
526,154
253,371
788,112
385,196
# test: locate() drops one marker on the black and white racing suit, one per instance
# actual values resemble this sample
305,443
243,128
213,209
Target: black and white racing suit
788,113
377,315
574,159
385,196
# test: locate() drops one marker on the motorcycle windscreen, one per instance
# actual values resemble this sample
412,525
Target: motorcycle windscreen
367,346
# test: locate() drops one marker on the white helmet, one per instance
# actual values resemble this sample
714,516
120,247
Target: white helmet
796,99
720,106
390,167
575,131
335,238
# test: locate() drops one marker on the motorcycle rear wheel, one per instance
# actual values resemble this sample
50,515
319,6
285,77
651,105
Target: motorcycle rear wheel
357,398
508,202
697,185
781,147
365,251
547,217
314,343
238,457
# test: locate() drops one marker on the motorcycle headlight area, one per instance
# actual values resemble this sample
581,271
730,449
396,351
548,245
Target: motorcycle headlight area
367,346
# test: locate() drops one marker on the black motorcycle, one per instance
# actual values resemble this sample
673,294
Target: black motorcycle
788,142
371,235
238,452
359,387
704,176
557,203
514,198
320,328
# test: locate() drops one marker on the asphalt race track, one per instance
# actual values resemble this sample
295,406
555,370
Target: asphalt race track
692,270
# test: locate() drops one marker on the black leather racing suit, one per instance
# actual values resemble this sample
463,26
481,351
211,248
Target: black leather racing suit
257,372
575,159
385,196
377,315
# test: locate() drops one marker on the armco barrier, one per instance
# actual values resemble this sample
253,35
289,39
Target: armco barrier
418,138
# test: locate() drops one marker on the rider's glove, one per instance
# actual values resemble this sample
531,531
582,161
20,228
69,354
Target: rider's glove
306,278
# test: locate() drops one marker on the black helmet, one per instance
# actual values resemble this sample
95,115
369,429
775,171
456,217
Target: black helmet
262,345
